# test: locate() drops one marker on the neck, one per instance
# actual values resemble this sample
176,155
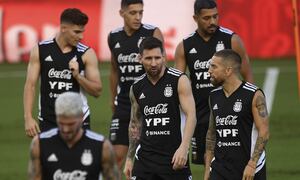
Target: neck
75,139
231,85
128,30
204,36
63,45
154,80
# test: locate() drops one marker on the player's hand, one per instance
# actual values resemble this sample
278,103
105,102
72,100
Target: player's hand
31,127
74,66
128,168
180,158
249,172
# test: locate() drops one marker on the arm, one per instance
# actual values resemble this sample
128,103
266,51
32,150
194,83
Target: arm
34,166
114,80
261,121
158,34
238,46
134,133
91,82
109,164
187,104
180,62
33,73
210,144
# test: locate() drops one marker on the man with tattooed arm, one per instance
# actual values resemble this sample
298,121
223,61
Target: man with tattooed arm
239,127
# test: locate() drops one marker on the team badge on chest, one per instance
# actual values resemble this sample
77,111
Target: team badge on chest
168,92
237,107
220,46
86,157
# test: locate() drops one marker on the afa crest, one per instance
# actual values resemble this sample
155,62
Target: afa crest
237,107
220,46
168,92
86,157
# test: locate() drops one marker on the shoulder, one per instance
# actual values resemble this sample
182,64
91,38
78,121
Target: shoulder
174,72
94,136
188,37
46,42
216,90
48,134
82,47
226,30
149,26
117,30
139,79
250,87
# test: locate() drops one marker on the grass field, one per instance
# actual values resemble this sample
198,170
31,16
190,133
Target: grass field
282,150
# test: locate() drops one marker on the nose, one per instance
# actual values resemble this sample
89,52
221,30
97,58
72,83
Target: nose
138,16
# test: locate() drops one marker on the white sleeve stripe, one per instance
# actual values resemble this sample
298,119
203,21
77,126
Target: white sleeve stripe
93,135
175,74
255,88
82,45
225,30
175,70
190,35
250,85
250,89
48,134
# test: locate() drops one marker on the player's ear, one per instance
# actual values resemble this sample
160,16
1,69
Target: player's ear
140,58
195,17
121,12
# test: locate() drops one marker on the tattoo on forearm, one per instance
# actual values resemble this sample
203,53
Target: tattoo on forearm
112,172
34,165
261,106
259,148
135,128
211,135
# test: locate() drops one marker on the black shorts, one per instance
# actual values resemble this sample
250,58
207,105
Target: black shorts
215,175
198,143
46,125
118,133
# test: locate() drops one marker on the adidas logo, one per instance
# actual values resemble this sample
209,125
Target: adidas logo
52,158
215,107
142,96
117,45
193,51
48,58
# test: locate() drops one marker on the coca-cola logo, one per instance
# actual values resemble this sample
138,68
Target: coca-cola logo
74,175
133,57
158,109
224,121
201,64
64,74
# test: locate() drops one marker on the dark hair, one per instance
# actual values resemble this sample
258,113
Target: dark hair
151,43
74,16
203,4
126,3
228,55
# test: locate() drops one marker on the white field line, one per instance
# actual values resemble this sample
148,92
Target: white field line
270,86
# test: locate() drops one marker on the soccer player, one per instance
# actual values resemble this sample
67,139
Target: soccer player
195,52
62,64
162,119
69,151
238,127
124,45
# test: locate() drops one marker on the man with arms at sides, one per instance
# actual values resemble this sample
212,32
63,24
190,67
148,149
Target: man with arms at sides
162,119
69,151
195,52
239,125
125,69
62,64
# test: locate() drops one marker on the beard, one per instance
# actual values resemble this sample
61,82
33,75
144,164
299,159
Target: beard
216,83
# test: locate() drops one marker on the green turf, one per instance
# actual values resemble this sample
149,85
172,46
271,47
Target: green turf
282,150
